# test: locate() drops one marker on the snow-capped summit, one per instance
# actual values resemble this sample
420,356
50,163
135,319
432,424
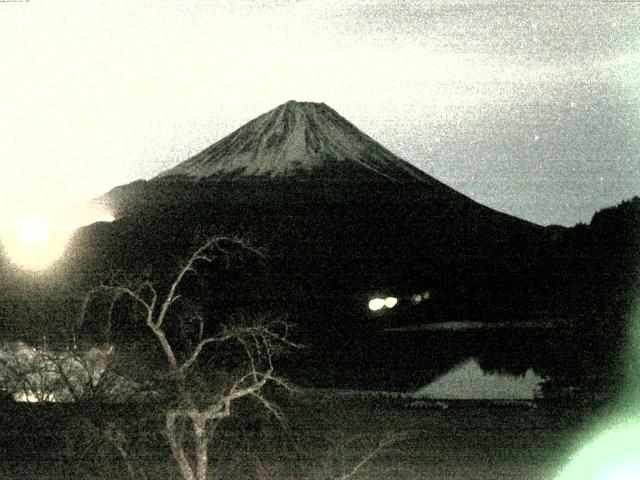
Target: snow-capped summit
298,139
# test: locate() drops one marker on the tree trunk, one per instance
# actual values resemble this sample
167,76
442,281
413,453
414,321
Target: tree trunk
176,448
202,444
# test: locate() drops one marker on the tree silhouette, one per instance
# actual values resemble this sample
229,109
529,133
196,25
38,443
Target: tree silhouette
196,399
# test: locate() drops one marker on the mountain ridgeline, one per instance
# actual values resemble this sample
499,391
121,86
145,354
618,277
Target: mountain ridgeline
341,219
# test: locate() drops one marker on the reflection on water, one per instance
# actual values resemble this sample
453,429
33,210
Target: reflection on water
467,325
468,381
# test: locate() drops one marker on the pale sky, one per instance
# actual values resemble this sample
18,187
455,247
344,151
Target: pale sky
532,110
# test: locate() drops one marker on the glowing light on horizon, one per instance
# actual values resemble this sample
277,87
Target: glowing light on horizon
390,302
31,397
33,230
35,244
376,304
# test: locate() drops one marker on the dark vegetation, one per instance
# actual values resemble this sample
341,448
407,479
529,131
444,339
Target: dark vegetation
326,436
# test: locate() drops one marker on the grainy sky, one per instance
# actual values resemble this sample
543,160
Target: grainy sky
531,108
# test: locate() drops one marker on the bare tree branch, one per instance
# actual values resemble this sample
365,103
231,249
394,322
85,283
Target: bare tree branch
382,443
258,340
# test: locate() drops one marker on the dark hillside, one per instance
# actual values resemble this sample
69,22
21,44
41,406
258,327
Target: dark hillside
329,247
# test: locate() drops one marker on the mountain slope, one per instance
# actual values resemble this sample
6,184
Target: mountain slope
294,140
307,153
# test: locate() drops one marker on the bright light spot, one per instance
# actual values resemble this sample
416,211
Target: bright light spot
31,397
107,217
33,247
25,397
416,298
34,243
33,231
390,302
612,456
376,304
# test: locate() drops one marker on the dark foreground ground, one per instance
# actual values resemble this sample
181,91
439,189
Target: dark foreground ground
327,436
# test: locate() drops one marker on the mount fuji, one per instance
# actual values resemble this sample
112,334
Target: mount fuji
298,139
304,149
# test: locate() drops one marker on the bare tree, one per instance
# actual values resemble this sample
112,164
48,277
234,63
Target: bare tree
258,338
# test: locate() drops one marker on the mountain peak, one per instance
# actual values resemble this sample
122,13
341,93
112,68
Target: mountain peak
298,104
296,140
295,105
